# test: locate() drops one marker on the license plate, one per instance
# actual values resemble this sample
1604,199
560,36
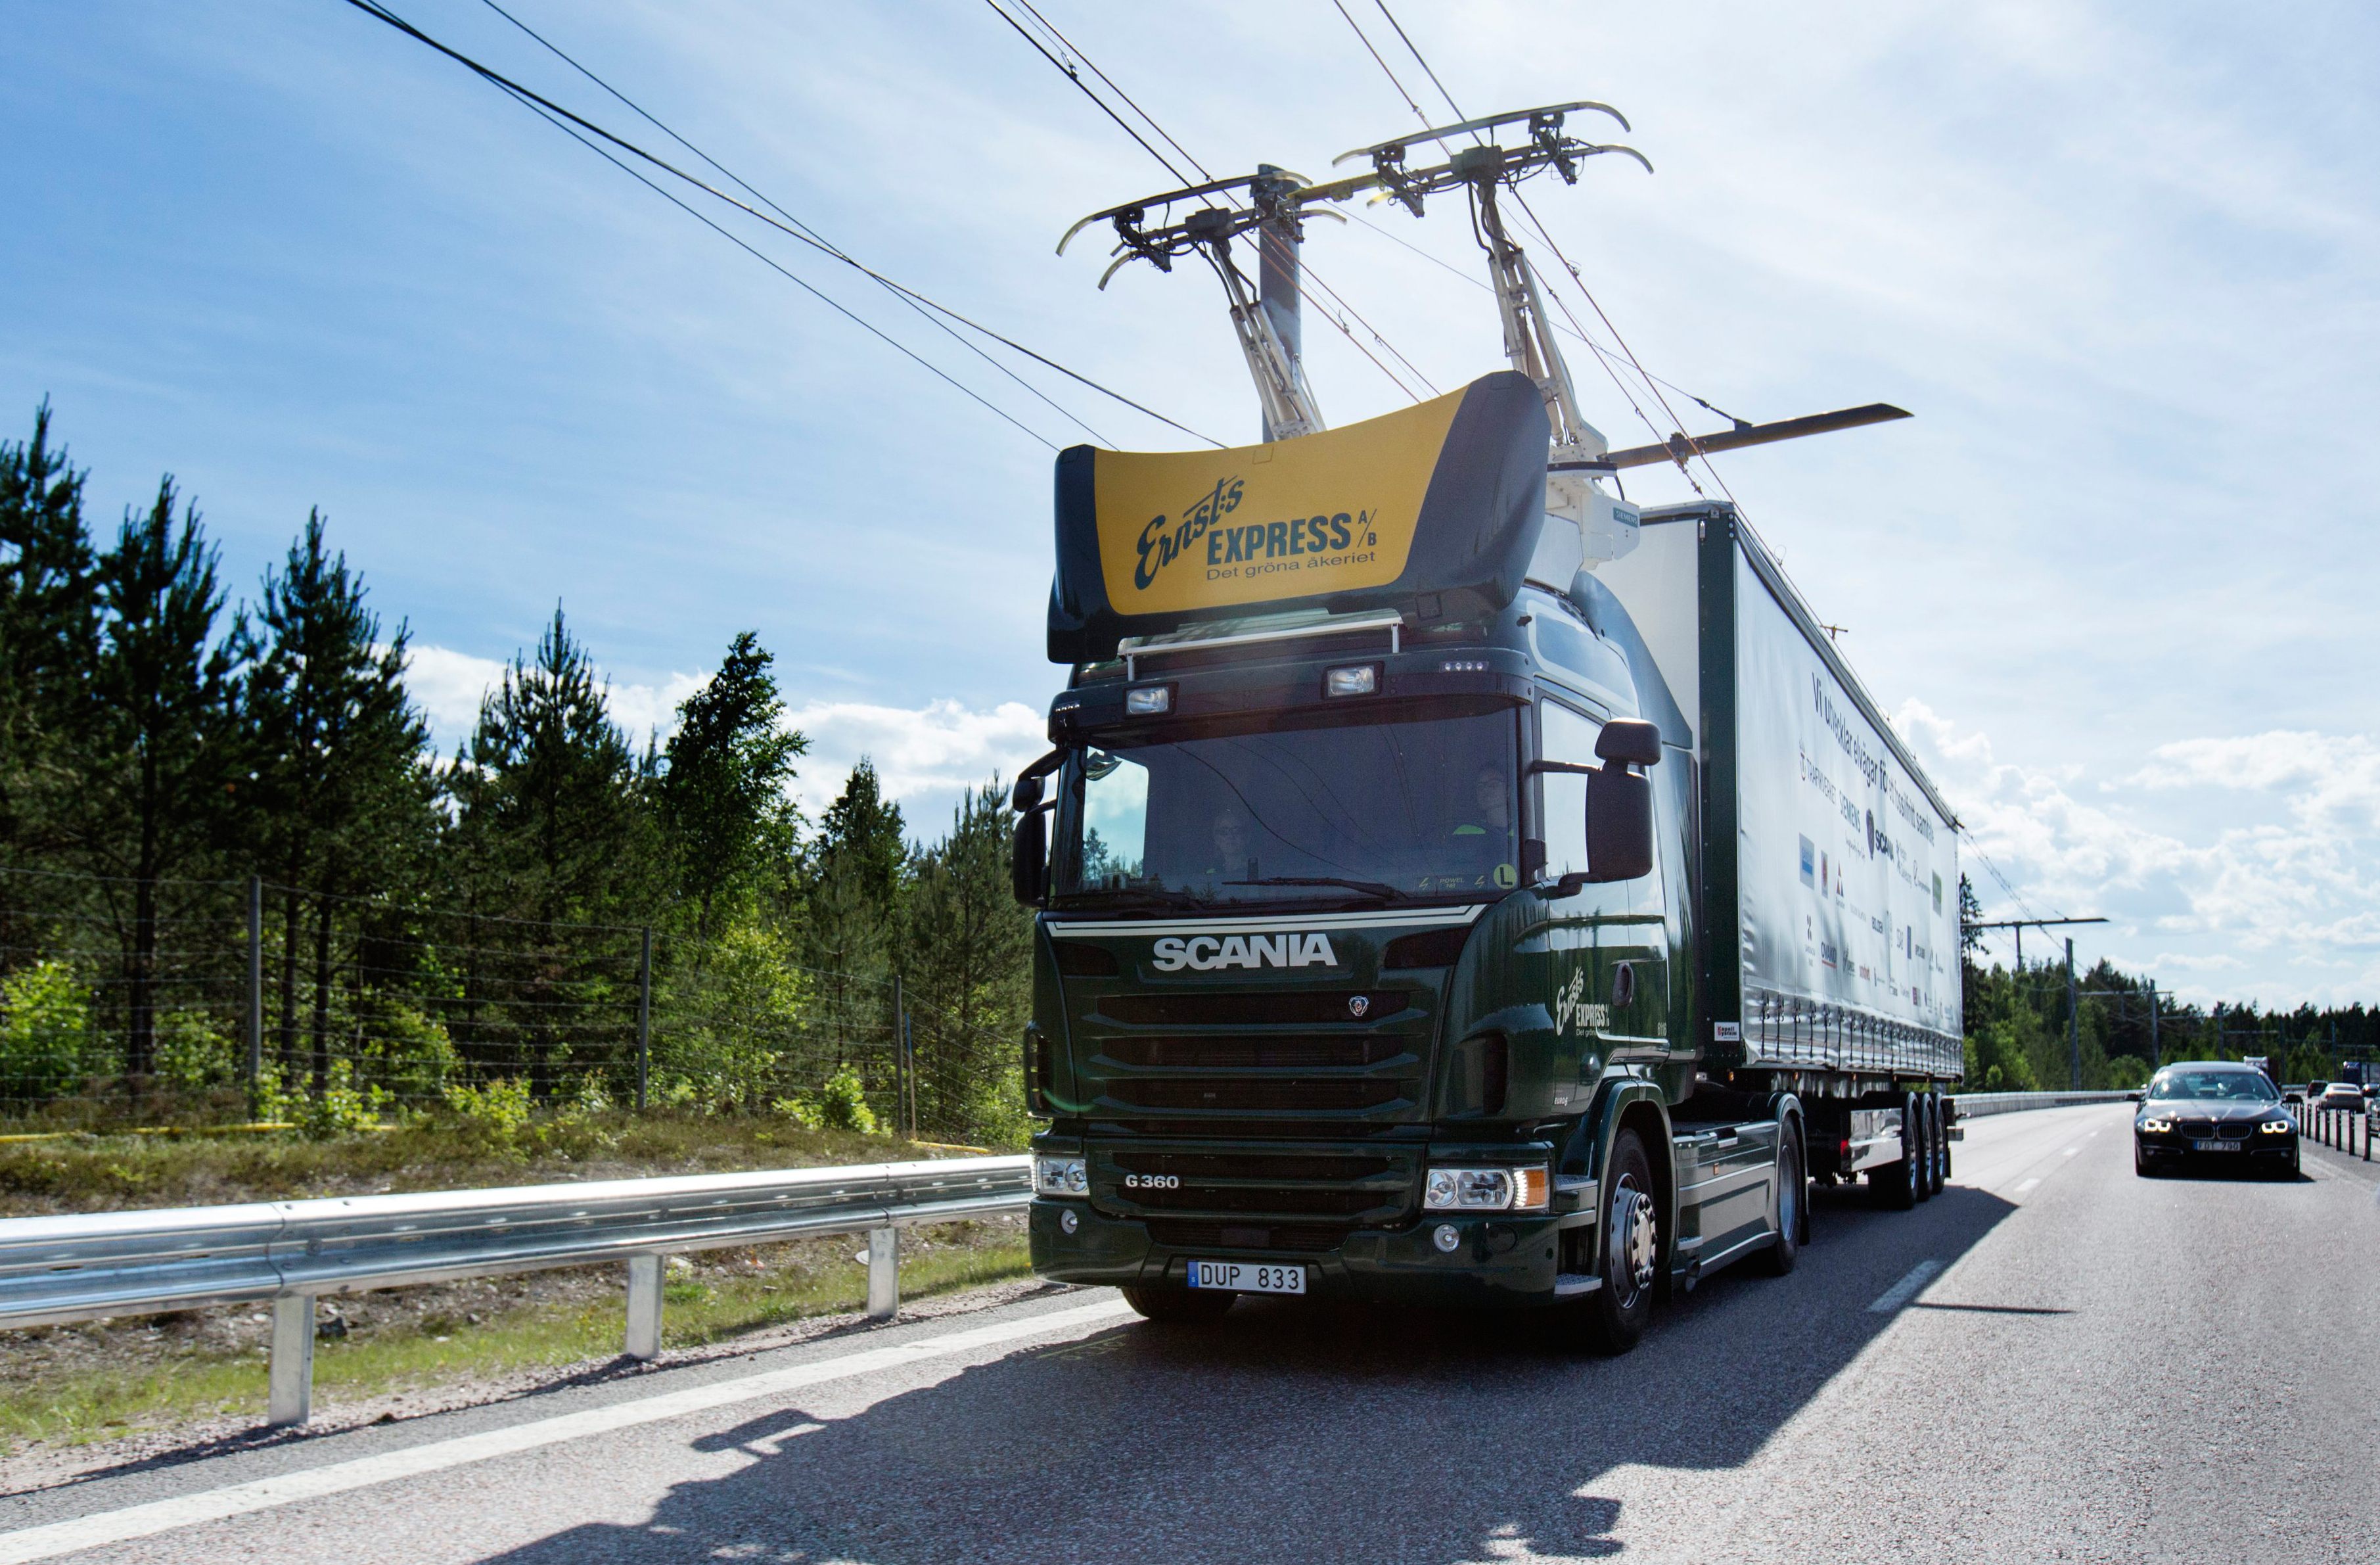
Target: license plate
2214,1146
1241,1277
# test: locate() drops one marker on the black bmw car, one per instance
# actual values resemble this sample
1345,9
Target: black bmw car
2210,1111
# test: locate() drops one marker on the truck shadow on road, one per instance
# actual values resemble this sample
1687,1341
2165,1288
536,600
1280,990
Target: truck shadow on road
1298,1429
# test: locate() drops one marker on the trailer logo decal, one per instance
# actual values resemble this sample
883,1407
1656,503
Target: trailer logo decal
1205,953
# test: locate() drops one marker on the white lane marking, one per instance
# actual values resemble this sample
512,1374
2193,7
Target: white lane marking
1901,1292
214,1505
2024,1185
2072,1150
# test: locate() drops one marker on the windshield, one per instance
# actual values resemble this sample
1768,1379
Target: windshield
2212,1086
1363,809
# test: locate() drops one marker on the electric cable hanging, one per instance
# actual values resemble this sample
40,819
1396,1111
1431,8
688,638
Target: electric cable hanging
745,185
1576,279
1571,326
381,13
1068,70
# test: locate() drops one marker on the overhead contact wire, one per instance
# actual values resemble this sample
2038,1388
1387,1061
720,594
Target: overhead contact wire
1306,270
379,12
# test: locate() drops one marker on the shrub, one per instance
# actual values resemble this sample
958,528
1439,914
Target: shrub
45,1032
402,1049
839,1105
191,1054
500,1110
341,1108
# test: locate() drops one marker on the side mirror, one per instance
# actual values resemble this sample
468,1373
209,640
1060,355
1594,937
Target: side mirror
1618,823
2136,1095
1028,856
1629,741
1619,803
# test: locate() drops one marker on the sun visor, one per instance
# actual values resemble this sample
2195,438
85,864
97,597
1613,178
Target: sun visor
1442,500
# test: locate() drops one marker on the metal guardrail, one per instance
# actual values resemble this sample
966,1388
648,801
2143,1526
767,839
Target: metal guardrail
290,1252
68,1268
1970,1106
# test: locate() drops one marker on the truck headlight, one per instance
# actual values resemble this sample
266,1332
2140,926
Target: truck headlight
2158,1126
1060,1176
2275,1127
1485,1190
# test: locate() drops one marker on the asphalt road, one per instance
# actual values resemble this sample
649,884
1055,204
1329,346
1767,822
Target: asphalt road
2054,1360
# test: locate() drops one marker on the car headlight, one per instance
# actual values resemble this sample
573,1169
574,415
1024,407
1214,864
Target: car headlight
1060,1176
1486,1190
2158,1126
2275,1127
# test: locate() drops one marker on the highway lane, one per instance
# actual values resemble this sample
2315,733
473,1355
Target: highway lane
2053,1360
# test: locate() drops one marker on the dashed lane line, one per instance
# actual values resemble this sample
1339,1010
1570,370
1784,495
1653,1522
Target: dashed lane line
1901,1292
49,1541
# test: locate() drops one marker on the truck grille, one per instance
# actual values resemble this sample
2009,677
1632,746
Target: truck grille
1283,1007
1242,1095
1252,1054
1303,1239
1365,1189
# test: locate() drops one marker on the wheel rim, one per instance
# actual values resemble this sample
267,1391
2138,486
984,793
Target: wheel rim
1788,1200
1636,1242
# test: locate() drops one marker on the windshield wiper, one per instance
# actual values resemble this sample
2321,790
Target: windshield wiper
1132,896
1369,888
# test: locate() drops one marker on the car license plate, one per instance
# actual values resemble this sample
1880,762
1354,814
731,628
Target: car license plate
2214,1146
1241,1277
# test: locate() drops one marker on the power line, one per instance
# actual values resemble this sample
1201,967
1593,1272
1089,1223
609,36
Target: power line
1675,422
1307,272
1416,54
550,109
728,174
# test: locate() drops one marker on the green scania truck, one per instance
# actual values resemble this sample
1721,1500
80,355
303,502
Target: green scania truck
1456,885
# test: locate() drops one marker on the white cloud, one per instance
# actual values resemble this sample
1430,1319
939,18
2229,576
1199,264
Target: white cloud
926,756
449,685
2249,858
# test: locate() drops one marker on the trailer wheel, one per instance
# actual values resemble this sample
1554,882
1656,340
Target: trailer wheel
1937,1146
1616,1313
1921,1114
1896,1185
1792,1205
1180,1306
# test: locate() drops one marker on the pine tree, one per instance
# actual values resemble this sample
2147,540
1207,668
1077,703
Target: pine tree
552,827
968,965
155,734
49,628
721,799
340,801
854,883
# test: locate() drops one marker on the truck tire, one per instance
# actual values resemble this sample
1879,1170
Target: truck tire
1937,1146
1792,1205
1895,1185
1179,1306
1616,1313
1919,1115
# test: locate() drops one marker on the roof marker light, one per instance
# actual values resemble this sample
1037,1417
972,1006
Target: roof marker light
1362,679
1149,701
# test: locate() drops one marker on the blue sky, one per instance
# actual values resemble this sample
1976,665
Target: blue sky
2118,259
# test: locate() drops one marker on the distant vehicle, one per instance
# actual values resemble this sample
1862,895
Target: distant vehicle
2357,1072
2212,1110
2265,1063
2342,1094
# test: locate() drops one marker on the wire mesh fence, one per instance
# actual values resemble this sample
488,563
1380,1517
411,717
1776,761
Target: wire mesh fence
197,1001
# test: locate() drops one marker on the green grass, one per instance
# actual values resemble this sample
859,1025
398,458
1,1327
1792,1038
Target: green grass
109,1172
75,1406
